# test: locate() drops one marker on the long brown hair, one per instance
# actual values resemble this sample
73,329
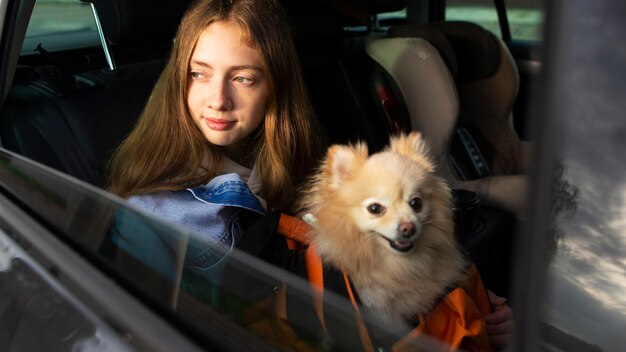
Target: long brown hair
166,150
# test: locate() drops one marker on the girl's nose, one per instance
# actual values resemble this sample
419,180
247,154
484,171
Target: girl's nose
219,97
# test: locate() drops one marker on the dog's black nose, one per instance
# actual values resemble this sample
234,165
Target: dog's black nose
406,229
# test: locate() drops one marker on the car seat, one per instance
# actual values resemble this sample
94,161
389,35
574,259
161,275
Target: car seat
419,72
428,89
487,82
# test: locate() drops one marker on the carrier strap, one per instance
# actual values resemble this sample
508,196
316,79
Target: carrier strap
457,320
296,231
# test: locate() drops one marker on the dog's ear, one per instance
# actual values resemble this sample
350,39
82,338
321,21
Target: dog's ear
343,161
414,147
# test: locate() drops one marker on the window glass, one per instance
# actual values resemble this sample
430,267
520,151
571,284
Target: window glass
230,303
526,19
401,14
482,12
60,25
525,16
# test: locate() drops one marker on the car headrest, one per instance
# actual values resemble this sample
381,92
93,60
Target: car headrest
139,21
478,47
426,85
435,37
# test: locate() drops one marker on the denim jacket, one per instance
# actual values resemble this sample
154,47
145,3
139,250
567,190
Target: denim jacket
209,214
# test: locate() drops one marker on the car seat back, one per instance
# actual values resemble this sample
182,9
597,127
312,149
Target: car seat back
427,89
487,82
429,92
74,121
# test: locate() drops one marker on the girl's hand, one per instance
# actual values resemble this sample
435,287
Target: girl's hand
500,323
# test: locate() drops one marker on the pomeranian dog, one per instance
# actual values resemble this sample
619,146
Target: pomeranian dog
386,220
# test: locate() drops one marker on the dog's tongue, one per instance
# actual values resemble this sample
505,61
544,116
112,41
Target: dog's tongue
402,245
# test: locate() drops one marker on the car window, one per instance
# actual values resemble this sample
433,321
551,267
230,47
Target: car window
525,17
60,25
386,17
584,307
37,313
227,304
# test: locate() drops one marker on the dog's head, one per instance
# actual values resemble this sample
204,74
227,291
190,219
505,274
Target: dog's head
390,195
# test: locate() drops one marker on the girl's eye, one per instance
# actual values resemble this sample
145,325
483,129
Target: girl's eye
196,75
375,209
416,204
244,80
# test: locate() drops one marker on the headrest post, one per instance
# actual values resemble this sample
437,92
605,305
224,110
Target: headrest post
374,23
105,44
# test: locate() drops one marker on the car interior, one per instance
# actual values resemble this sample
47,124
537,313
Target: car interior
367,77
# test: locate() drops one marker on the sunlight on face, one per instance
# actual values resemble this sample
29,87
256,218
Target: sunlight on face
228,90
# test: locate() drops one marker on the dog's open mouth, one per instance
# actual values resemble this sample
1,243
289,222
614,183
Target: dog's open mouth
400,246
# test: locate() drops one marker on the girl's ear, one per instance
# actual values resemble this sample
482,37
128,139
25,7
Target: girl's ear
414,147
342,162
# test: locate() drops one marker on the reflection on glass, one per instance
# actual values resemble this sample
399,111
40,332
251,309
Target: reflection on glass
587,276
232,303
37,315
586,304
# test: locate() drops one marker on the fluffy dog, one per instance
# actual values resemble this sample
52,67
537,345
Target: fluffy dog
386,220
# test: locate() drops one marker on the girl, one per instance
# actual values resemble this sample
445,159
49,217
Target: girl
231,91
227,132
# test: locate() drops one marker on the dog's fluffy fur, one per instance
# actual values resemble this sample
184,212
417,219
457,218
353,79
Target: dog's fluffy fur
386,220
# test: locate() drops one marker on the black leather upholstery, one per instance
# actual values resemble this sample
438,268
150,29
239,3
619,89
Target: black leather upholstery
75,127
74,121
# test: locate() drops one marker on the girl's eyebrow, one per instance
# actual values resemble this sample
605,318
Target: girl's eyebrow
238,67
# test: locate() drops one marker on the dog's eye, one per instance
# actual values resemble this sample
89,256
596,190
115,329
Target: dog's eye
375,208
416,204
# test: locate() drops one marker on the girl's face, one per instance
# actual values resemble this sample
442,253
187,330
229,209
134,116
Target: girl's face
228,90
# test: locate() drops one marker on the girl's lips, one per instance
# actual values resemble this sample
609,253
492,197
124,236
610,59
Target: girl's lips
219,124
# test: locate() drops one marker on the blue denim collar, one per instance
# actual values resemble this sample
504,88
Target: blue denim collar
228,190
